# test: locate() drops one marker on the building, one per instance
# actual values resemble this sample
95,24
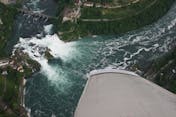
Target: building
71,14
8,1
88,4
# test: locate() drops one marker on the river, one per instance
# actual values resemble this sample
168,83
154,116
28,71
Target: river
56,89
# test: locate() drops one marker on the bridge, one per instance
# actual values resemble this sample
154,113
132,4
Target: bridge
34,14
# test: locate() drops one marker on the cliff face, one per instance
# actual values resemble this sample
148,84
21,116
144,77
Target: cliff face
163,71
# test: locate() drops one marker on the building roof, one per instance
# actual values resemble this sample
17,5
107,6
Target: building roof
8,1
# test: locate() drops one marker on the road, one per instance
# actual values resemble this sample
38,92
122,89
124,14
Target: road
115,19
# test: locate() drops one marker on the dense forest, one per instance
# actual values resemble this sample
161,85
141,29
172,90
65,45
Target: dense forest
148,16
62,4
7,15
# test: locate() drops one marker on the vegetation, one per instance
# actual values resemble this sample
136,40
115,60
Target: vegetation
98,13
7,15
9,93
62,4
11,84
11,81
120,21
101,1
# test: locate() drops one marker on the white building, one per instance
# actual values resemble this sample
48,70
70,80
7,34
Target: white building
8,1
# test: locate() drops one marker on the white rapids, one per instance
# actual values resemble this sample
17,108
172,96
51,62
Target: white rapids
36,49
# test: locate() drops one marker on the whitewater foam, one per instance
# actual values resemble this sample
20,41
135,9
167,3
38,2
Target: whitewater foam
48,29
37,48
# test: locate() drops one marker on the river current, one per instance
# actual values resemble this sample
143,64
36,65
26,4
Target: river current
56,89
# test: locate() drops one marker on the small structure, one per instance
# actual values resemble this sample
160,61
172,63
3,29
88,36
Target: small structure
20,69
12,62
88,4
8,1
98,5
71,14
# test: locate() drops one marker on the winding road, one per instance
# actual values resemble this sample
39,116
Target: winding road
119,18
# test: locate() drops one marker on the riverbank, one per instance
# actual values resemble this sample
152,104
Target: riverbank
13,74
9,83
162,71
13,69
93,22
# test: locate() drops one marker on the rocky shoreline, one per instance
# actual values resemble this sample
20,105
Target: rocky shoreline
24,67
161,70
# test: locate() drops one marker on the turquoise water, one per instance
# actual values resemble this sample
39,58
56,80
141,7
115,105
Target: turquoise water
56,89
